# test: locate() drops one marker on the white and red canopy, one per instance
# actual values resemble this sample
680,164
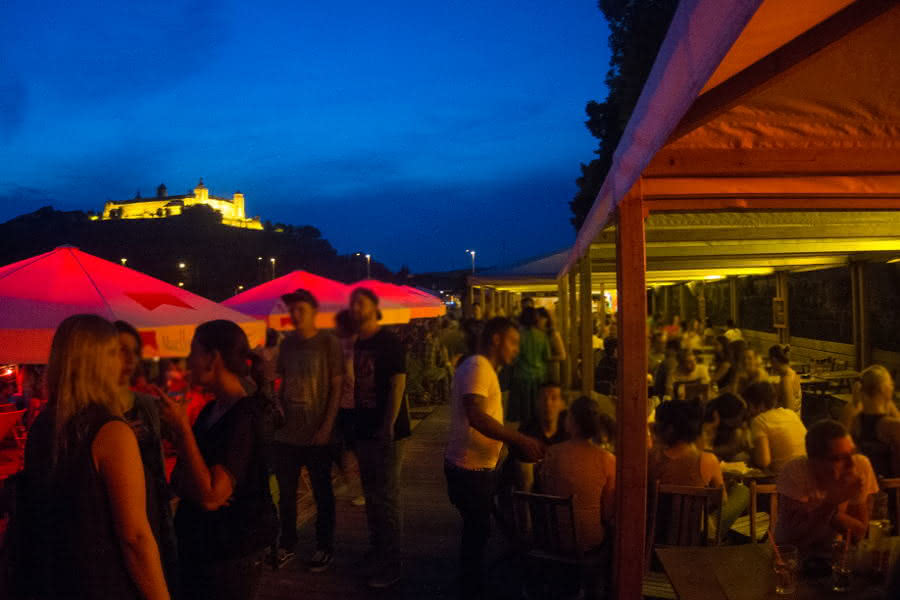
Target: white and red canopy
37,293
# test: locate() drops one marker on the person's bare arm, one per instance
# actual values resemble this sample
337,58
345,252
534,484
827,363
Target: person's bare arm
609,492
488,426
762,455
118,461
209,487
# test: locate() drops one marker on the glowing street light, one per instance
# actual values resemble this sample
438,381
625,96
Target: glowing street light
123,261
368,263
472,253
182,266
272,260
180,284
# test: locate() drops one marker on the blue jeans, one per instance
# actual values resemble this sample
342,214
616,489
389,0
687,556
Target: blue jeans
379,471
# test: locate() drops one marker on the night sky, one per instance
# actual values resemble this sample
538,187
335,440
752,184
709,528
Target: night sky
409,129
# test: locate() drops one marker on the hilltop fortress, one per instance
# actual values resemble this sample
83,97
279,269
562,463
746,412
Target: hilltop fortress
163,205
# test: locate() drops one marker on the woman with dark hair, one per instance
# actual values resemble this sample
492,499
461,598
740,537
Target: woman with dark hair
226,518
580,468
788,389
725,428
84,531
530,369
141,411
675,458
557,347
724,372
777,433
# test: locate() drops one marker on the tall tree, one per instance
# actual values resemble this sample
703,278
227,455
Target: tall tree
636,31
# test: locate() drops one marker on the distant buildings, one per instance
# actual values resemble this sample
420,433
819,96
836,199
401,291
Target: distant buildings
163,205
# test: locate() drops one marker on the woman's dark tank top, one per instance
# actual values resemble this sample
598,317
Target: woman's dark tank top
71,548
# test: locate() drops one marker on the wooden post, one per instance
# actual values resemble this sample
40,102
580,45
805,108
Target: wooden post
682,301
505,300
587,327
490,302
574,347
562,325
667,306
733,300
781,291
862,345
631,412
701,303
470,301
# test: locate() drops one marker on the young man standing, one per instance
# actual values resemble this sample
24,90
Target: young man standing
477,435
381,422
311,366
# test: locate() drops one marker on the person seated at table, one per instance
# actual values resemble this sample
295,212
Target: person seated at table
608,368
777,433
725,430
580,468
548,426
709,332
675,458
788,389
687,370
673,329
732,332
724,370
665,368
692,337
748,371
874,421
825,493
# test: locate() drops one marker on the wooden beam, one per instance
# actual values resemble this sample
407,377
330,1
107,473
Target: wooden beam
574,345
631,407
772,68
733,305
587,327
562,321
743,162
798,203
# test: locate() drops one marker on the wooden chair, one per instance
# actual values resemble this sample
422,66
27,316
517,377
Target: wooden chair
892,487
545,531
689,512
756,490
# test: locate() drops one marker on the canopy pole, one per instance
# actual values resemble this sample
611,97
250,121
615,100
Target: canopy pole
587,328
733,300
781,291
682,302
631,411
574,351
861,342
562,320
470,301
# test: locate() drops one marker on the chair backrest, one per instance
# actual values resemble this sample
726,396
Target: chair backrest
546,524
892,487
680,516
762,489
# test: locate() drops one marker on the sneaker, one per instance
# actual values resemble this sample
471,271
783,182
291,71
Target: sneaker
359,501
320,561
283,557
388,576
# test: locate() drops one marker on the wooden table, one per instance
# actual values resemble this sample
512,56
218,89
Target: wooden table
743,573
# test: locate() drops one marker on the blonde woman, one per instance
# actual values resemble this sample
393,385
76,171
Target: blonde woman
873,419
85,528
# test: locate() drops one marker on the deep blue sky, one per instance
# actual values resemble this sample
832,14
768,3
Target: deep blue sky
409,129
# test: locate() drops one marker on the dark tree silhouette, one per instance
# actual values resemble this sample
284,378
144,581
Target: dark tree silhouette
636,30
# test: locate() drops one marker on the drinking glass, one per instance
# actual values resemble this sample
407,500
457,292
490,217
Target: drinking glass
840,567
786,562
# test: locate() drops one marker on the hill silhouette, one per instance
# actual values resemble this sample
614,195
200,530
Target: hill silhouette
217,258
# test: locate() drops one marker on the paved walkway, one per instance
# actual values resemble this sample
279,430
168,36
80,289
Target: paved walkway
431,534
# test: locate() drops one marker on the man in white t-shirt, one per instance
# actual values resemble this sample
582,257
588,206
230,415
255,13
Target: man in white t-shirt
477,435
825,493
778,434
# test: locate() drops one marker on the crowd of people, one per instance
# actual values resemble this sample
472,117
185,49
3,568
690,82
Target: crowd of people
102,509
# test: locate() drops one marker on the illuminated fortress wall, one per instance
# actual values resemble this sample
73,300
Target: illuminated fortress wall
163,205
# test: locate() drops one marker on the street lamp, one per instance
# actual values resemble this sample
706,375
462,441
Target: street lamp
272,260
180,284
472,252
368,263
123,261
181,266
